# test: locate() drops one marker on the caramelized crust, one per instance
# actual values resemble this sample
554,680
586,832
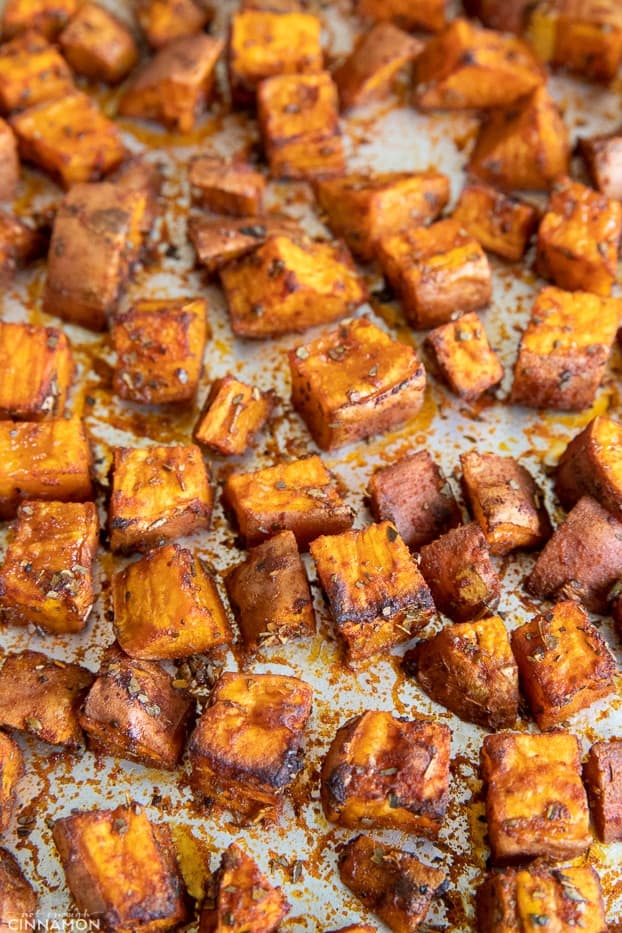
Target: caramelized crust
98,45
374,63
592,465
233,414
37,371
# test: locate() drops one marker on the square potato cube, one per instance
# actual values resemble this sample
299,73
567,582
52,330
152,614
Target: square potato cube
233,414
301,496
564,663
227,187
438,272
377,596
70,138
167,606
48,460
37,370
9,163
591,465
42,697
270,594
535,801
583,36
499,14
503,225
98,45
355,381
247,746
289,284
46,17
31,71
299,124
175,86
388,773
18,901
505,501
122,869
362,208
424,14
219,240
463,357
603,778
163,21
158,494
374,63
159,345
564,349
11,770
602,156
469,668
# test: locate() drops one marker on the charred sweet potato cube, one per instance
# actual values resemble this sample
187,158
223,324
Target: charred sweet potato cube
602,775
424,14
583,36
227,187
31,70
438,272
289,284
591,465
564,349
233,414
48,460
247,746
158,494
19,243
461,576
392,883
98,45
9,165
11,770
122,869
42,696
241,897
46,17
37,370
270,594
355,381
219,240
301,496
463,357
299,123
163,21
499,14
47,576
603,159
377,596
18,901
362,208
388,773
469,668
374,63
502,224
505,501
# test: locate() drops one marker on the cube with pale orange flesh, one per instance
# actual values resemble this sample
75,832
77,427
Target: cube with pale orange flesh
388,773
18,901
499,14
233,414
425,14
227,187
463,357
602,156
362,208
374,63
602,775
166,606
122,869
163,21
9,165
591,465
45,460
98,45
564,349
37,370
301,496
11,770
502,224
535,801
46,17
218,240
31,70
376,594
438,272
583,36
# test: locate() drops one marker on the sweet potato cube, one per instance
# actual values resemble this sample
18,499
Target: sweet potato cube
603,778
289,284
301,496
227,187
18,901
299,123
583,36
463,357
9,164
122,869
535,801
502,224
31,70
37,370
505,501
19,243
438,272
374,63
392,883
461,576
11,770
42,697
362,208
158,494
564,349
163,21
145,177
469,668
591,465
48,460
241,897
425,14
377,596
233,414
98,45
499,14
388,773
247,746
46,17
270,594
219,240
603,159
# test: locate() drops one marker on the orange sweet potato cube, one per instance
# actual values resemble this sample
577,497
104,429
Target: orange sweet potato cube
18,901
37,370
603,159
425,14
603,778
163,21
11,770
503,225
46,17
583,36
233,414
31,70
219,240
375,61
355,381
9,163
98,45
463,357
592,465
499,14
227,187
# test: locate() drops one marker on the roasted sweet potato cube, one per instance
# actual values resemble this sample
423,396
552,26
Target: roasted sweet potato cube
583,36
377,596
463,357
227,187
247,746
158,494
9,166
389,773
42,696
499,14
362,208
47,17
301,496
469,668
564,349
48,460
461,576
374,63
438,272
18,901
20,243
163,21
603,159
270,594
159,345
139,174
31,70
219,240
299,123
37,370
11,770
425,14
502,224
98,45
392,883
591,465
233,414
122,869
241,897
602,775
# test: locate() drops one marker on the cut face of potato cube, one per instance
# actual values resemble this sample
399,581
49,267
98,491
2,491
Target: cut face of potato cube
502,224
98,45
592,465
464,358
583,36
163,21
37,370
377,58
232,416
603,159
219,240
31,71
11,770
603,778
227,187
